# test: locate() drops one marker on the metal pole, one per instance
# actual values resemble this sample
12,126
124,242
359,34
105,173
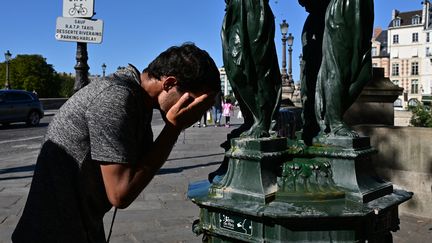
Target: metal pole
103,70
284,70
7,85
290,79
81,67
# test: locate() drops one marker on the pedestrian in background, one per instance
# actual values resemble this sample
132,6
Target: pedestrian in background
227,111
217,109
204,119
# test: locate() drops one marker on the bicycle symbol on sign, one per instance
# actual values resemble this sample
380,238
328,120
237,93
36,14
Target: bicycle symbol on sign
78,8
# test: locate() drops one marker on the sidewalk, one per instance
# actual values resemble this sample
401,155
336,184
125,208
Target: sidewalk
162,212
50,112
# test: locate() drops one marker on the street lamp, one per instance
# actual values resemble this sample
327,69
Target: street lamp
290,44
8,57
103,69
284,30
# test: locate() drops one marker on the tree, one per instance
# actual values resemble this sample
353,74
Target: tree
422,116
32,72
66,84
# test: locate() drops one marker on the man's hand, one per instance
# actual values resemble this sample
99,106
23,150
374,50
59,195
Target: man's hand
188,110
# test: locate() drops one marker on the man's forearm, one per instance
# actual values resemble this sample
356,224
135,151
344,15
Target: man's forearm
153,161
160,151
124,183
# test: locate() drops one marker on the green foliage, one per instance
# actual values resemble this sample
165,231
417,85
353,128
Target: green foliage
231,97
32,72
413,104
422,116
66,85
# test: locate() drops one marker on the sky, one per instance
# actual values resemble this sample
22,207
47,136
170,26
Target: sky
136,31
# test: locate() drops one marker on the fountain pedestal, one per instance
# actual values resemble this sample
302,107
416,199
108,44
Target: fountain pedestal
277,190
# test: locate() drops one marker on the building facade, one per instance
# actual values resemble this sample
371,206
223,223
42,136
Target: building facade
380,55
409,38
225,84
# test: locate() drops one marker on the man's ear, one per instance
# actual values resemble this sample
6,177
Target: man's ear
169,82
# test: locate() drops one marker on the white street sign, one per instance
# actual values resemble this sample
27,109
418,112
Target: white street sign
79,30
78,8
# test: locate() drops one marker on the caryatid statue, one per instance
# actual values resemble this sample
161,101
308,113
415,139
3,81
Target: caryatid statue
250,62
312,39
346,64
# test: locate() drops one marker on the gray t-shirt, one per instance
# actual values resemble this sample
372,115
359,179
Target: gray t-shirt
106,121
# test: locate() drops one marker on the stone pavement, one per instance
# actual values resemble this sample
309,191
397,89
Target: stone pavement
162,212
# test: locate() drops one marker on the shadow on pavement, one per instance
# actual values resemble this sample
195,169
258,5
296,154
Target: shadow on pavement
193,157
26,168
21,125
15,178
162,171
165,171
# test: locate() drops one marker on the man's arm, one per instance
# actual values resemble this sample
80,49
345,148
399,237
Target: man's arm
124,182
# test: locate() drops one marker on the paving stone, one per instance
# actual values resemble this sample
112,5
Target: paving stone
9,201
162,212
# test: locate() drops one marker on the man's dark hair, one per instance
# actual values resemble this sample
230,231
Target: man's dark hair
193,68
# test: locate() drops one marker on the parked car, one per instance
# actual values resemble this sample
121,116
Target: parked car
20,106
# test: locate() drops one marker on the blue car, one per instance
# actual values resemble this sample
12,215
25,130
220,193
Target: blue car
20,106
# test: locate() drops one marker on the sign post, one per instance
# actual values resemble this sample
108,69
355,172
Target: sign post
81,67
78,8
76,25
79,30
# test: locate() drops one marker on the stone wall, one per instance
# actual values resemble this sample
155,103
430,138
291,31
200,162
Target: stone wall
402,118
52,103
405,159
375,103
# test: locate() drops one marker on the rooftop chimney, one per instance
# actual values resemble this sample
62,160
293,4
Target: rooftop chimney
377,32
395,13
426,13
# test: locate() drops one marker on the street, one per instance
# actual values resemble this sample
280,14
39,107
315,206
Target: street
162,212
19,146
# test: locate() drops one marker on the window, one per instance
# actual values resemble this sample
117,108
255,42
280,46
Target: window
398,103
374,51
396,82
427,37
413,102
396,22
395,39
18,97
223,80
428,52
395,69
414,86
374,64
414,52
415,37
394,53
414,68
415,20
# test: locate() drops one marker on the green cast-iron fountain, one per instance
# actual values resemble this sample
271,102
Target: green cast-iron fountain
322,187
